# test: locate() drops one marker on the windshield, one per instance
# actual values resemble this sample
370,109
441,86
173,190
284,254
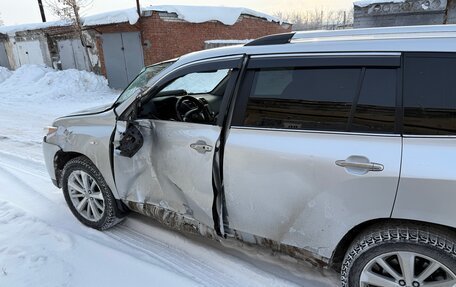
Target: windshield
142,80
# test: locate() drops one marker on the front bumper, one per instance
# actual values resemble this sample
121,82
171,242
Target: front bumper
49,152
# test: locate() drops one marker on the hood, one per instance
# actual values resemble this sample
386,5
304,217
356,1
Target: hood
90,111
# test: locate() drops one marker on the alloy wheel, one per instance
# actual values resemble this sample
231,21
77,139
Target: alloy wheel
86,195
406,269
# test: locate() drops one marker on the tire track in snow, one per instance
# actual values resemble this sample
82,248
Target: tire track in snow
197,270
160,251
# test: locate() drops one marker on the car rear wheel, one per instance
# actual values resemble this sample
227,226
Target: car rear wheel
88,196
405,255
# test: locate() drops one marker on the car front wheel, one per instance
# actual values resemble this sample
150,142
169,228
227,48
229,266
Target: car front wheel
88,196
405,255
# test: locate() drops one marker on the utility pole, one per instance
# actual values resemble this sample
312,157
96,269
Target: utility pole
43,16
138,8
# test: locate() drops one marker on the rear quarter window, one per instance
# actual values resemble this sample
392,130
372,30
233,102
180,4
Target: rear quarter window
430,94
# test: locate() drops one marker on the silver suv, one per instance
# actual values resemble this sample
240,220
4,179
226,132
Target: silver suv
336,147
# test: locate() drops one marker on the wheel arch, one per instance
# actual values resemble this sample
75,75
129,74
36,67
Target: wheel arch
60,160
344,244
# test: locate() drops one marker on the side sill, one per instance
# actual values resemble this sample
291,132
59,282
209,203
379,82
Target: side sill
185,224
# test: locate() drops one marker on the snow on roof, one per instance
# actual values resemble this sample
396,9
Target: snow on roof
118,16
32,26
189,13
193,14
200,14
365,3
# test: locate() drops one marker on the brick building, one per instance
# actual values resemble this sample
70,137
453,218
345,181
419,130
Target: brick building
383,13
163,33
119,44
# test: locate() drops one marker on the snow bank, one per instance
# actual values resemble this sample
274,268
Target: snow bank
33,96
4,74
118,16
38,83
365,3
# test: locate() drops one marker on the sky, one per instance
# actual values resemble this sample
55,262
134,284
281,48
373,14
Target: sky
14,12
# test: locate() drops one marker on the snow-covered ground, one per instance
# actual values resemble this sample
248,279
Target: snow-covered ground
42,244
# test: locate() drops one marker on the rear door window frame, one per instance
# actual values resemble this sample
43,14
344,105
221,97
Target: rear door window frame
319,60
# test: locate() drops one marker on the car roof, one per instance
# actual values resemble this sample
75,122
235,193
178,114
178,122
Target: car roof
431,38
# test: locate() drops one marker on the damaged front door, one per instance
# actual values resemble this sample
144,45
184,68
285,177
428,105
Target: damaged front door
163,159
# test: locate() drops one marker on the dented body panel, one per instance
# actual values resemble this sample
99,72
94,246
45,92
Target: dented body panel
285,185
166,171
189,225
88,135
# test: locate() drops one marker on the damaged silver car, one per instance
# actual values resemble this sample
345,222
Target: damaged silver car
336,147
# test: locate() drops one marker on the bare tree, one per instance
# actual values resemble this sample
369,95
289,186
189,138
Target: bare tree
451,4
72,11
318,19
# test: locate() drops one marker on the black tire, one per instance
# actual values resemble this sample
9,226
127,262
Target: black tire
436,243
111,214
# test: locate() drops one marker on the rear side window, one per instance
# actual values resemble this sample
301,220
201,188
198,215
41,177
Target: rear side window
376,107
430,95
328,99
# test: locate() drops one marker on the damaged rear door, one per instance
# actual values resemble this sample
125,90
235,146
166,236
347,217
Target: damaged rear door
314,148
164,161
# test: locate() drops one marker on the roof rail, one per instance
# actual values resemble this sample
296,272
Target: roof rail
276,39
408,31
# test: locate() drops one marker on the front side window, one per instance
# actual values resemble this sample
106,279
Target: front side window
195,97
430,95
327,99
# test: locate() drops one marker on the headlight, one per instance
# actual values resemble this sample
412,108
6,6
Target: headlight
49,130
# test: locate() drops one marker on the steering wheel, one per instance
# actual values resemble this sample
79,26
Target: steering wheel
188,107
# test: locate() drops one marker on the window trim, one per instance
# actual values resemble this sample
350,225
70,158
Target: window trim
338,60
326,60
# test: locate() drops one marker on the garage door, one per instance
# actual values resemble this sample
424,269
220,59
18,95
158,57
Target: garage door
73,55
29,52
3,56
123,57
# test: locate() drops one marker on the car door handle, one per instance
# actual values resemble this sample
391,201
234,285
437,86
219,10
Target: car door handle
370,166
201,147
